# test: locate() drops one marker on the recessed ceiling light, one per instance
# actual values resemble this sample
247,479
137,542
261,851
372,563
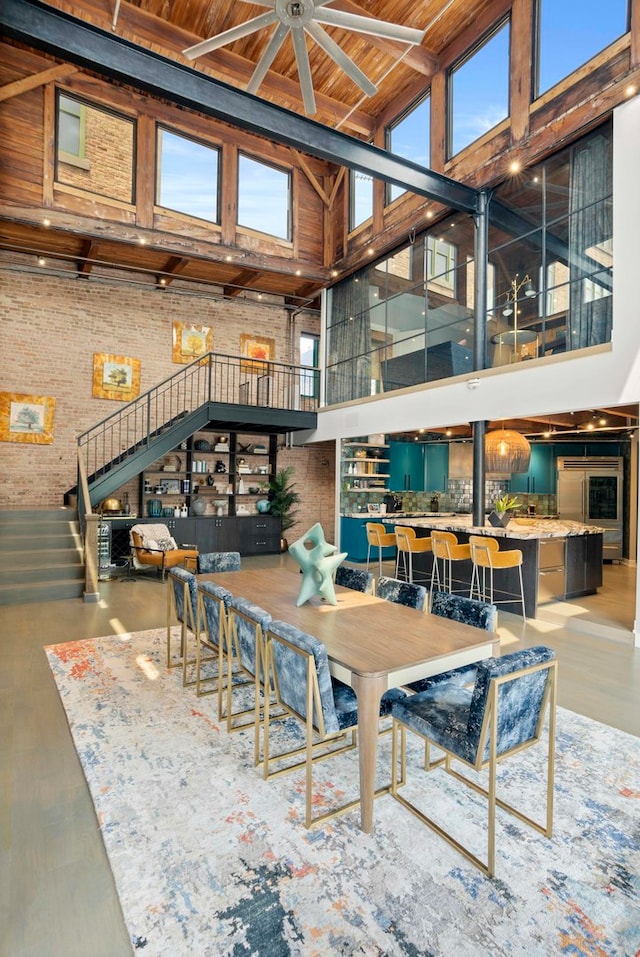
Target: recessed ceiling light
515,166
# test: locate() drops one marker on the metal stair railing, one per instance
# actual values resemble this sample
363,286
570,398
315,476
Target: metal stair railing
232,380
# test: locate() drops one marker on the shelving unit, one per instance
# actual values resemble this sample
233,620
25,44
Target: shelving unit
229,471
363,471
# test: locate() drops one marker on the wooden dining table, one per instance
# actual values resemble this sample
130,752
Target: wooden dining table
372,645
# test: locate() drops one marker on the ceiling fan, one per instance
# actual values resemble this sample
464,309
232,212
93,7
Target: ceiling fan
300,16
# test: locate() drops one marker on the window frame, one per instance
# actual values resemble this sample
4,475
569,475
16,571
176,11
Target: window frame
288,173
160,127
415,104
482,41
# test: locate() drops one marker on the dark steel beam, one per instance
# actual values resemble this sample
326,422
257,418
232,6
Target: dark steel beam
107,54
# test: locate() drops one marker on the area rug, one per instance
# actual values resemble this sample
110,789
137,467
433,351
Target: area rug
211,860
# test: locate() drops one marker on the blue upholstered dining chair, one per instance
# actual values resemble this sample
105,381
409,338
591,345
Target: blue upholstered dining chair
219,562
354,578
502,715
403,593
182,604
478,614
212,636
297,677
247,623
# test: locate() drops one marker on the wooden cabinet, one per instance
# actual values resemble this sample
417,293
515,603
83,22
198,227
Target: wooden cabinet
250,535
228,471
258,535
584,564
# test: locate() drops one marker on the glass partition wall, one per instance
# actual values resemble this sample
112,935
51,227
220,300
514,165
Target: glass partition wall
408,319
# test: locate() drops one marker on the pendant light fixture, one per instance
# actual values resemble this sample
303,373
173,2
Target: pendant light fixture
506,451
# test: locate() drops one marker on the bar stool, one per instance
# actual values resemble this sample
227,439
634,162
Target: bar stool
445,547
378,537
486,554
408,545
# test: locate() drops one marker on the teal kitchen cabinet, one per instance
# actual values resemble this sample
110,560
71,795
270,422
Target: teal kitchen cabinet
406,467
437,467
541,477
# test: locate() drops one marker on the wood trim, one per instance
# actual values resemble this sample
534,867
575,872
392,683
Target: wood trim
521,64
145,171
38,79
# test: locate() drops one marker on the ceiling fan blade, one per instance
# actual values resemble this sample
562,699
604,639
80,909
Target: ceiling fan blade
228,36
376,28
267,57
338,55
304,70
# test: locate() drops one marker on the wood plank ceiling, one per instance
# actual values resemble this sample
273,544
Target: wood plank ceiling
400,72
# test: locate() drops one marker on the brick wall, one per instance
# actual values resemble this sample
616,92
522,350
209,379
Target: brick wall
50,328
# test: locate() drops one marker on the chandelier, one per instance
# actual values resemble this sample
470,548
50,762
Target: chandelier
506,451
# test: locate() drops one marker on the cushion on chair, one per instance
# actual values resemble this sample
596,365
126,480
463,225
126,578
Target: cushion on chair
246,630
452,716
219,562
338,701
355,578
178,577
212,595
403,593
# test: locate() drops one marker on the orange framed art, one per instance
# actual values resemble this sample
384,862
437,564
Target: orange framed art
115,377
256,352
26,418
191,341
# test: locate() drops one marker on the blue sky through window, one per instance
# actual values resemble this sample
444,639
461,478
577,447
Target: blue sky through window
187,176
263,197
572,31
479,91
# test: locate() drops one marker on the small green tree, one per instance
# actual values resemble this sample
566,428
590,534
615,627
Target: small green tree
283,497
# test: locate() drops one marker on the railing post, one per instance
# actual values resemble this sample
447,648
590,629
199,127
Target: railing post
92,522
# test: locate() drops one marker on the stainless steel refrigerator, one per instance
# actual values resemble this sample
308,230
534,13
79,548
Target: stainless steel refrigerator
590,491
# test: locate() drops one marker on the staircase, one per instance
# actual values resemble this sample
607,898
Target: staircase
40,556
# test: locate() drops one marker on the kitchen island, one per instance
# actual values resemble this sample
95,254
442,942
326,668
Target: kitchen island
560,559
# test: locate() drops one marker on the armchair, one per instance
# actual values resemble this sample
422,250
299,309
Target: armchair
153,545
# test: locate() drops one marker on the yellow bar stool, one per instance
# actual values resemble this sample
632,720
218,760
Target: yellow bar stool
446,549
487,555
408,544
378,537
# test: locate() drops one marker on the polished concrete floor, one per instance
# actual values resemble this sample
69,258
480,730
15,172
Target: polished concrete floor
57,897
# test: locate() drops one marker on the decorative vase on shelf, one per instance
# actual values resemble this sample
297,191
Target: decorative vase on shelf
198,506
263,505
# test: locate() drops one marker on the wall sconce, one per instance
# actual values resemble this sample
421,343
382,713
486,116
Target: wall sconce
506,451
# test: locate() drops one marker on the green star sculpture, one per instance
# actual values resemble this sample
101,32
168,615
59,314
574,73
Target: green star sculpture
318,563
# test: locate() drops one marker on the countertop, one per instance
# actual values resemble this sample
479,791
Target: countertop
517,527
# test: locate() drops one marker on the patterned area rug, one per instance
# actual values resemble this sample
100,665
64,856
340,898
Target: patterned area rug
209,859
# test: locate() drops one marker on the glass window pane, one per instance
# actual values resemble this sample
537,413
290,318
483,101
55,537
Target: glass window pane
361,195
410,138
571,32
264,198
187,179
309,381
479,90
95,149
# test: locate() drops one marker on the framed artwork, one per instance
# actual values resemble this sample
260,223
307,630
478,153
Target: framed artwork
115,377
26,418
256,351
191,341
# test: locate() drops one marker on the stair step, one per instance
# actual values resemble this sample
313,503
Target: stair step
15,574
47,591
37,556
50,541
17,515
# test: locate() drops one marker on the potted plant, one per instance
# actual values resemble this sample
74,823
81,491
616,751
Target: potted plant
503,510
283,497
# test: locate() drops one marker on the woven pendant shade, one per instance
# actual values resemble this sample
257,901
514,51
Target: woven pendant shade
506,451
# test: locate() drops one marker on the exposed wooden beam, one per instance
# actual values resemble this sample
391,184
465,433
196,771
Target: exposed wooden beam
240,280
86,260
172,268
63,71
